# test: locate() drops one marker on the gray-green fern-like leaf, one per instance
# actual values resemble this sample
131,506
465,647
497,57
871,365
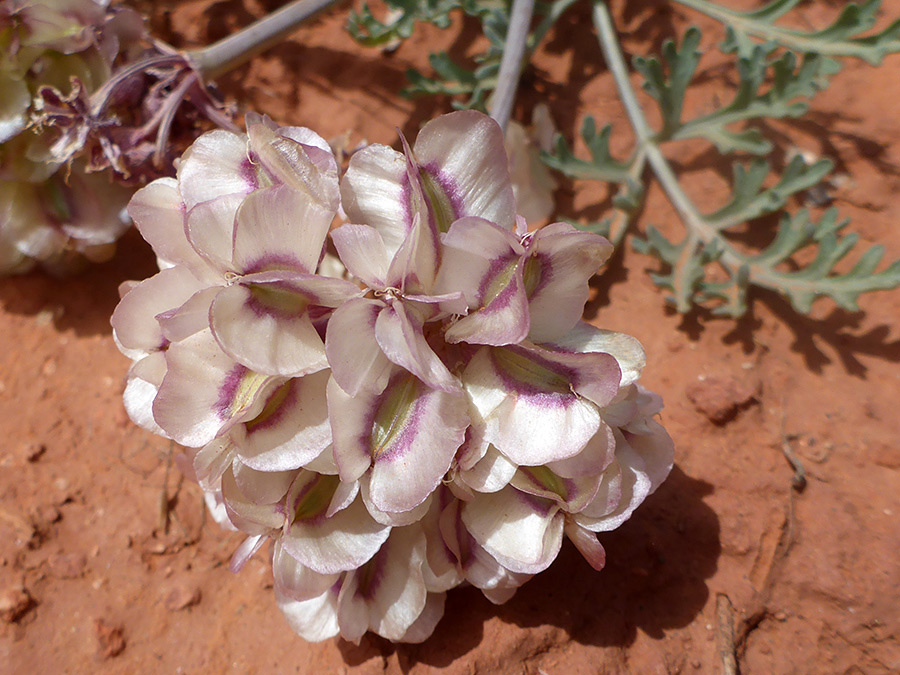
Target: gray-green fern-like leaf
841,39
405,14
601,166
789,82
802,286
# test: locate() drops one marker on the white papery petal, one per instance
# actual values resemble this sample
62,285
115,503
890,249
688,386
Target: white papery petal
296,581
279,228
333,544
268,329
292,429
372,192
415,266
633,487
522,532
134,319
362,251
389,591
627,350
344,496
350,430
476,252
302,165
324,463
533,425
315,619
416,433
564,259
209,228
464,154
592,460
215,165
486,262
245,513
586,543
245,551
441,570
357,362
608,496
571,494
158,213
190,318
141,388
409,434
14,104
491,473
262,487
211,461
401,339
497,583
424,625
393,519
656,449
205,392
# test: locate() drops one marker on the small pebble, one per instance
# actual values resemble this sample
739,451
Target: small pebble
15,603
110,639
182,597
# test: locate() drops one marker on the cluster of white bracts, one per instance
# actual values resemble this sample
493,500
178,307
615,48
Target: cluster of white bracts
425,411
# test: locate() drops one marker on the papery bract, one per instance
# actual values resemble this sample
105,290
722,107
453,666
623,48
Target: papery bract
426,411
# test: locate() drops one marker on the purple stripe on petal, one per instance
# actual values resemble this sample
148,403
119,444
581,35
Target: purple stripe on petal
276,407
370,576
539,505
530,375
496,285
228,391
274,261
538,273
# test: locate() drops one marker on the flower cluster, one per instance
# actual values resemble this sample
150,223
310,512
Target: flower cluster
47,215
421,409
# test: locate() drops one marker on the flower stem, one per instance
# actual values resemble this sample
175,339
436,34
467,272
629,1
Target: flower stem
234,50
511,63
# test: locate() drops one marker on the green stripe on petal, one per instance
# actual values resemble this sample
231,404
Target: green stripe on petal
441,206
393,416
278,299
532,274
543,477
240,391
272,405
500,281
526,369
313,501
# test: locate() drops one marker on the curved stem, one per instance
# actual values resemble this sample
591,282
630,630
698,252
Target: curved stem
101,97
699,231
237,49
511,63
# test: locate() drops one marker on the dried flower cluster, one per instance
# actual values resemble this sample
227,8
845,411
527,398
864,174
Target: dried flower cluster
47,215
427,410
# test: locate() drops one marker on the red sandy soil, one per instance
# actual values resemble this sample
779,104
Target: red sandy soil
92,580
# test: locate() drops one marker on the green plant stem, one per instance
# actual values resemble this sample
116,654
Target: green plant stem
699,231
235,50
511,64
